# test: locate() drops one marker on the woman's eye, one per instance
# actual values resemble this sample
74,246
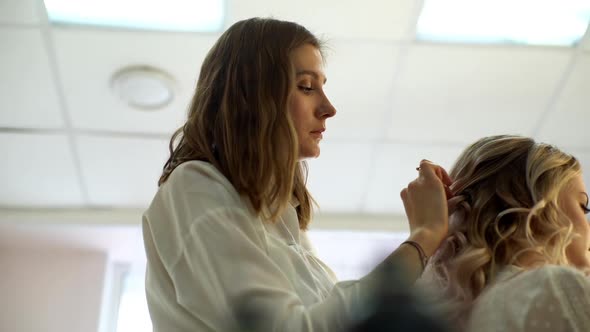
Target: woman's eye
306,89
585,209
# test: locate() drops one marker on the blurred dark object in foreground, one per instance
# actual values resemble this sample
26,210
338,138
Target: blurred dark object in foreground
397,307
393,306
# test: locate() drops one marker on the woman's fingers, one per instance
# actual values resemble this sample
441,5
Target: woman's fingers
429,170
445,178
427,201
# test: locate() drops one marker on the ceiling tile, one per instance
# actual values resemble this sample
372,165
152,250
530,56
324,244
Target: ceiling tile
373,19
121,172
38,170
338,178
19,12
88,58
28,97
567,124
359,89
395,167
456,94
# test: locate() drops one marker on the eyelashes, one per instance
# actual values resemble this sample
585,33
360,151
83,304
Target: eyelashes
585,209
305,89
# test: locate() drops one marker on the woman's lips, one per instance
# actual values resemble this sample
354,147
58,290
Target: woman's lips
318,133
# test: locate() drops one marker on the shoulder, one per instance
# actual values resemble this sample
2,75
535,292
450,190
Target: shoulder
562,293
197,176
194,189
530,299
546,280
199,181
195,202
550,284
565,284
556,275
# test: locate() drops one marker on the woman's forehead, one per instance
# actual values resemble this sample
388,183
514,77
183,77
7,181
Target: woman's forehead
307,60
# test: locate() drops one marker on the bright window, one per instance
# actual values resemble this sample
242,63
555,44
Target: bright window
133,311
530,22
168,15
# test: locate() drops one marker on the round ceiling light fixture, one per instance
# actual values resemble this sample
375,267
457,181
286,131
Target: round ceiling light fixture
144,87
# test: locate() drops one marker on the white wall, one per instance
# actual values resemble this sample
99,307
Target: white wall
51,290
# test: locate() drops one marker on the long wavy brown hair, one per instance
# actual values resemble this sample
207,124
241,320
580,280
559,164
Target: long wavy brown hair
510,187
238,119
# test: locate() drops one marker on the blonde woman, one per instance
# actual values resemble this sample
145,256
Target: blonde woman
517,251
225,235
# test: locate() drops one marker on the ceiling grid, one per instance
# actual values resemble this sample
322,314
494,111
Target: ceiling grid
379,149
71,137
551,105
398,100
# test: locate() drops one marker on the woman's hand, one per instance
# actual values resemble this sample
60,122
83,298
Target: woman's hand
426,202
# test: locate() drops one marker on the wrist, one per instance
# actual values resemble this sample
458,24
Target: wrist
428,240
421,254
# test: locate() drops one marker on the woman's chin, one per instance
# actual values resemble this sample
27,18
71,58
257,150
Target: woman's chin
309,153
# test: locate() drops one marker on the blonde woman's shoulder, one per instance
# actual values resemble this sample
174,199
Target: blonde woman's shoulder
548,298
557,271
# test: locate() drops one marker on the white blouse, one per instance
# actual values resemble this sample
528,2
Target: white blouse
549,298
211,260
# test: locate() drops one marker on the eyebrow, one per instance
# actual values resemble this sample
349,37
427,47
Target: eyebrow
585,194
311,73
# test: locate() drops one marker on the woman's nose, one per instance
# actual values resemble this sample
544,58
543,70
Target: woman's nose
327,109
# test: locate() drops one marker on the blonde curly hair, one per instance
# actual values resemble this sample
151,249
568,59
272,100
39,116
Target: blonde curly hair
509,187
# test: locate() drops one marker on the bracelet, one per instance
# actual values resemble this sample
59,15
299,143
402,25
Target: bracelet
421,253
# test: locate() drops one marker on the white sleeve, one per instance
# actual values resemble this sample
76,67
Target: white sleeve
224,268
563,304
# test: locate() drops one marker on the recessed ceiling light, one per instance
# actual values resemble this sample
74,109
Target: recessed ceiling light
144,87
530,22
169,15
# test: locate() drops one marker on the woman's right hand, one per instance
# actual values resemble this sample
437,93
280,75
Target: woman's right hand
426,202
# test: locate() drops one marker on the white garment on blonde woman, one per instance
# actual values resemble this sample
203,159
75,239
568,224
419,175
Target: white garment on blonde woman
550,298
209,257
